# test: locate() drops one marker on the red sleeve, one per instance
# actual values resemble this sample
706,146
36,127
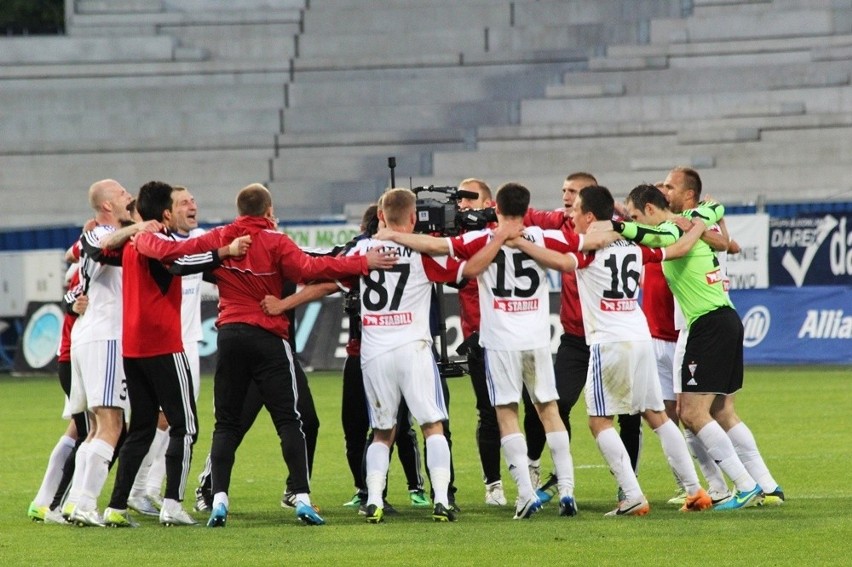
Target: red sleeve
583,258
300,267
652,255
166,250
544,219
466,245
443,269
562,241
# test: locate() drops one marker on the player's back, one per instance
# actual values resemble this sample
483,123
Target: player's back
514,300
608,284
394,303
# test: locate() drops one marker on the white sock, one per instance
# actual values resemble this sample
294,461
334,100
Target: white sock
303,497
53,473
674,447
746,448
378,455
221,498
560,452
97,468
515,452
80,460
615,455
438,463
721,449
716,482
157,472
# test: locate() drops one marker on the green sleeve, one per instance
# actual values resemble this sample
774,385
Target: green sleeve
658,236
709,213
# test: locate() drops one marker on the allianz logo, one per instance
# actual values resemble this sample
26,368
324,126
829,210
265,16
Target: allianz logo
818,324
756,325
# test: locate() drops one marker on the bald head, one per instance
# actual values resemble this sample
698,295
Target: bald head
110,201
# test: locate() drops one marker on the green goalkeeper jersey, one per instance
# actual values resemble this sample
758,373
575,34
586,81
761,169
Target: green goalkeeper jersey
696,279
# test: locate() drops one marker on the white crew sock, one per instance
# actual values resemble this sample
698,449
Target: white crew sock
515,452
378,455
677,453
560,452
53,473
438,463
746,448
716,482
721,449
97,468
615,455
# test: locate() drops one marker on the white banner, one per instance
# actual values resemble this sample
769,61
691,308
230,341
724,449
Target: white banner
321,236
750,268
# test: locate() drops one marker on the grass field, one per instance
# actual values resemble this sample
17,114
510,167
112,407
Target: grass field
800,417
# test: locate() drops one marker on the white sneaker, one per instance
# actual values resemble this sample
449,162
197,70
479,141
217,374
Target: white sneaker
638,507
55,517
535,476
494,495
720,497
143,505
86,518
176,516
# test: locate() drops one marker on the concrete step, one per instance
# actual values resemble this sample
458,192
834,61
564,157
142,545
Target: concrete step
142,72
326,165
470,87
678,106
116,6
584,91
169,127
392,45
714,79
548,12
63,50
322,19
138,99
404,117
240,42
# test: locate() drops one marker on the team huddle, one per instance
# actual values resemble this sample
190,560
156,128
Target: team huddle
130,369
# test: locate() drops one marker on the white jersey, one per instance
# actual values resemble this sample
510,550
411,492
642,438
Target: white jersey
395,303
102,284
608,285
190,307
514,300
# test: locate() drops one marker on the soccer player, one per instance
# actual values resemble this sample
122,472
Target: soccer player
622,376
152,347
97,376
712,370
396,354
572,355
668,329
182,222
253,346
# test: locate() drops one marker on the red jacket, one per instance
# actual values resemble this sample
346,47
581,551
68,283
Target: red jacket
271,259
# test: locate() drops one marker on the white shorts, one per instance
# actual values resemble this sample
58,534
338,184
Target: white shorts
409,372
506,372
191,350
664,353
622,379
97,377
677,360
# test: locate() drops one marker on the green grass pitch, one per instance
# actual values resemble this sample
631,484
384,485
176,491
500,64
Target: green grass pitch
800,416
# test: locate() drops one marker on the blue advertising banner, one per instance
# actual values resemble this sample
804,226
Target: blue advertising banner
789,325
807,251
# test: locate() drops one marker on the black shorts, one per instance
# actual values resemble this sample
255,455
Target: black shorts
713,361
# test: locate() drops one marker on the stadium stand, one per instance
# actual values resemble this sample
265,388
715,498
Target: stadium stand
312,96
